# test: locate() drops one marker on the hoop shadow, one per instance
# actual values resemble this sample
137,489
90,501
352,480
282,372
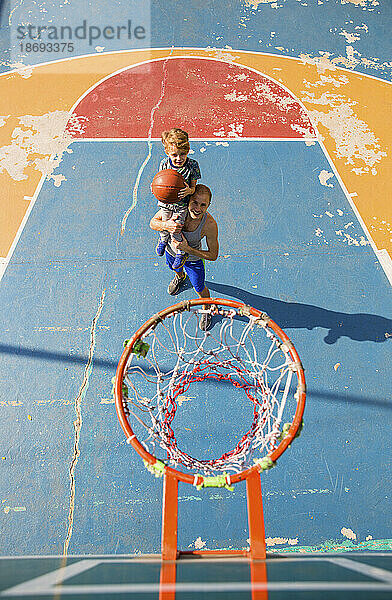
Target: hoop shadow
358,326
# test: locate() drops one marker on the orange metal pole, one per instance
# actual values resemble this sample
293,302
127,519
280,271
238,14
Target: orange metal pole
167,588
169,517
255,516
258,575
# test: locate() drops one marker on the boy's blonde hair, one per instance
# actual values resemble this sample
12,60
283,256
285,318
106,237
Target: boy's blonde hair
176,137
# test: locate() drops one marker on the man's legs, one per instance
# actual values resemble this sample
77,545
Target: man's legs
179,277
196,273
205,319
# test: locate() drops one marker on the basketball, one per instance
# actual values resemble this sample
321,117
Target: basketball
166,185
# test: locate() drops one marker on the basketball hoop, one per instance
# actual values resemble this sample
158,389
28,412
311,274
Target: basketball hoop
245,348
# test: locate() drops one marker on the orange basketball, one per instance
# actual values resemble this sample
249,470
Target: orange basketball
166,185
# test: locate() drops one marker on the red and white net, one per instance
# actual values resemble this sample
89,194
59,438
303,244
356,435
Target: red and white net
241,351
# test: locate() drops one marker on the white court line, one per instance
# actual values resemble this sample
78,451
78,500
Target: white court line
149,61
363,568
200,139
50,583
149,558
197,48
4,262
46,584
381,255
196,587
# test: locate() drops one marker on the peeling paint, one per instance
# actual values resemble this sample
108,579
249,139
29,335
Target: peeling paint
8,509
51,401
20,68
107,401
256,3
351,241
345,546
223,54
55,329
182,399
199,544
350,37
11,403
353,59
279,540
324,176
363,3
39,142
348,533
355,142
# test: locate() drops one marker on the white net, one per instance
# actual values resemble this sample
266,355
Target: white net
240,352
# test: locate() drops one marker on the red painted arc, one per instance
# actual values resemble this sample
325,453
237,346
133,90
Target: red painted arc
209,98
118,394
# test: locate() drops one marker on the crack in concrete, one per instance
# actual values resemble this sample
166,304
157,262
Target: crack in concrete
77,424
153,110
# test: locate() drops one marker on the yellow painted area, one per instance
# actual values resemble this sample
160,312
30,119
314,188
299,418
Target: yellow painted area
57,86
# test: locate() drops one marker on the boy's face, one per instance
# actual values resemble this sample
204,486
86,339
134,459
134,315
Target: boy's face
177,157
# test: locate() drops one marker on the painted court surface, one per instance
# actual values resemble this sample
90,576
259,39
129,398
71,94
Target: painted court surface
304,236
360,576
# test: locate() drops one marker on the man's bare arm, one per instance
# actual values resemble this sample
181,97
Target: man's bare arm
171,226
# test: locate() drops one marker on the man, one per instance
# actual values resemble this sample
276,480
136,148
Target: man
198,224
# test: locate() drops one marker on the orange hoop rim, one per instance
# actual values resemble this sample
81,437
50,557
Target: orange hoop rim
196,478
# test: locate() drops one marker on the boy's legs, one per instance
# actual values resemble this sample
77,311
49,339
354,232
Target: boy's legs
180,214
163,235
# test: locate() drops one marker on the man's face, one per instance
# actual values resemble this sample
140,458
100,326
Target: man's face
177,157
198,204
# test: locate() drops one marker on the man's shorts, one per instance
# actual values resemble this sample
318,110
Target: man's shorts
194,269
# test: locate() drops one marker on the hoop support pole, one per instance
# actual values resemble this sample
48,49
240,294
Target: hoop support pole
258,577
168,575
169,517
255,516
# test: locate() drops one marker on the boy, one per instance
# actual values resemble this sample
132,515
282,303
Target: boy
176,144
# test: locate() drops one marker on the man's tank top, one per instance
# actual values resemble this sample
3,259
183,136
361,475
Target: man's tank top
193,238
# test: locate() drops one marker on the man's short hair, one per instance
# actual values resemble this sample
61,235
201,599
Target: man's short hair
200,187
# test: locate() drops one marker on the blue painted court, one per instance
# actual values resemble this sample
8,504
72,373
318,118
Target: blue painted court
281,252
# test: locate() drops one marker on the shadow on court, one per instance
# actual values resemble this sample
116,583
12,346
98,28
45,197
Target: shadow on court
359,327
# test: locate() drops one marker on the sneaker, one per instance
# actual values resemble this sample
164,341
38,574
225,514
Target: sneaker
176,283
179,260
160,248
205,321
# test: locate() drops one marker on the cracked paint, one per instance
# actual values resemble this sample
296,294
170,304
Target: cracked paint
78,423
149,143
